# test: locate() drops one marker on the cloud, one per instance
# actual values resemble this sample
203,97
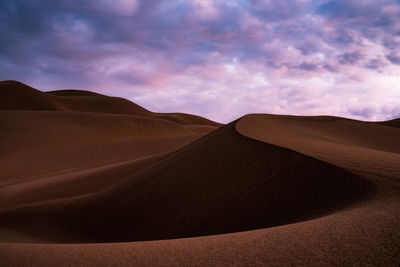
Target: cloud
309,65
123,7
211,57
350,57
205,9
394,58
375,63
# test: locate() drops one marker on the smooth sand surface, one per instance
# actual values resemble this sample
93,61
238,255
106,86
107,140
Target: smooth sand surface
366,148
92,185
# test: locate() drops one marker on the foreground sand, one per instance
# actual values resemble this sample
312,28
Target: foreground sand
90,180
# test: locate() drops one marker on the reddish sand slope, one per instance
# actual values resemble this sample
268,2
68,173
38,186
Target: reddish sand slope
278,190
364,147
76,100
36,140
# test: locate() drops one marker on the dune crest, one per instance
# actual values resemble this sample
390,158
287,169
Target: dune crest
367,148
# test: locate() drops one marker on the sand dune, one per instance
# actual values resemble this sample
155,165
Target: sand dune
76,100
18,96
366,148
88,170
35,141
392,123
186,119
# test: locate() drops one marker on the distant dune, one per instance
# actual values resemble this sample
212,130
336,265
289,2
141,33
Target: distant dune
18,96
393,123
88,179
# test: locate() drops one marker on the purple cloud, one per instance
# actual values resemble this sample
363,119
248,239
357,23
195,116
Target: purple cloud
214,58
394,58
350,57
309,65
375,63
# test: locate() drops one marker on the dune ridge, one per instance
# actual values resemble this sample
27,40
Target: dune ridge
18,96
365,148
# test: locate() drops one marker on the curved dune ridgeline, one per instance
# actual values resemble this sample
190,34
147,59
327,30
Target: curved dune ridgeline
366,148
81,172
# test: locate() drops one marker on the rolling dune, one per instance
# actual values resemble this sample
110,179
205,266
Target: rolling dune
393,123
366,148
76,100
100,181
18,96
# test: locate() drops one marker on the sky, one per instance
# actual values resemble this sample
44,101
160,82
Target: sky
214,58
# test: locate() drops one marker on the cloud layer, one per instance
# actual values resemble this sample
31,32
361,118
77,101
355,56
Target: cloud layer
220,59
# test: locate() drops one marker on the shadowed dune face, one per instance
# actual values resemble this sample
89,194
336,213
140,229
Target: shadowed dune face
223,182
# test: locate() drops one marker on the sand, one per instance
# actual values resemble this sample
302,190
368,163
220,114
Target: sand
93,180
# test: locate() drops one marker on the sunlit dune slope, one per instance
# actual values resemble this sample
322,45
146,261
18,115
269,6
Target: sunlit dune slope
42,144
64,129
367,148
